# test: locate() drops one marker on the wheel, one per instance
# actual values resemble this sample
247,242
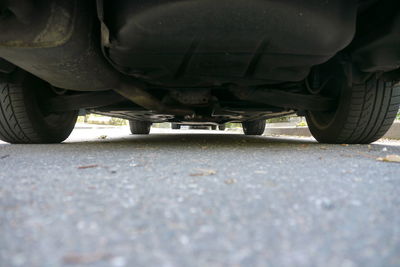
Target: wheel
175,126
256,127
364,112
23,116
139,127
221,127
213,127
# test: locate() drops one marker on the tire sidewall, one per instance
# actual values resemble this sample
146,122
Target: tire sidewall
331,131
63,123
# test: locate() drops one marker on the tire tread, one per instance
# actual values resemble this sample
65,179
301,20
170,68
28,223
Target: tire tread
20,122
13,126
139,127
256,127
369,121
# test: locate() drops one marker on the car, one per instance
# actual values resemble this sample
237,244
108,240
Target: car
201,61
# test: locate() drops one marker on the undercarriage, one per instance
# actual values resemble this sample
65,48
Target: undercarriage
184,62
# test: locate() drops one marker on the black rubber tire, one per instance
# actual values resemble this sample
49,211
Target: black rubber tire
22,117
175,126
221,127
213,127
139,127
364,114
256,127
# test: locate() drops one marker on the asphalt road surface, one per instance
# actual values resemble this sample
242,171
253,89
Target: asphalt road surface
198,198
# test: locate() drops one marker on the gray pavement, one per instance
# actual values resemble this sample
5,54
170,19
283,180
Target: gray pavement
293,130
198,198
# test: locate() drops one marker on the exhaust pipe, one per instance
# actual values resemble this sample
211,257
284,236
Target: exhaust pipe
137,93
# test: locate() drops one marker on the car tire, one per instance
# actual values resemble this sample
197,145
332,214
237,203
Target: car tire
175,126
221,127
213,127
139,127
23,117
364,112
256,127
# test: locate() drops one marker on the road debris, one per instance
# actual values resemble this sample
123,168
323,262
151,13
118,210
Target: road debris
134,164
230,181
390,158
4,157
85,258
88,166
102,137
203,172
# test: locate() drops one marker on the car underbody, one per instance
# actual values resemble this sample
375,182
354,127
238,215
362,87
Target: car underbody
202,61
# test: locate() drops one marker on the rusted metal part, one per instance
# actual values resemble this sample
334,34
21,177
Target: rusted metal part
57,41
40,25
136,92
197,96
